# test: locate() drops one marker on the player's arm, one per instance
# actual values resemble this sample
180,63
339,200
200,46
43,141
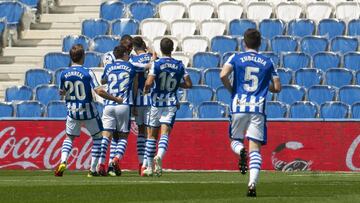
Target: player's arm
102,93
224,76
62,90
148,84
187,84
275,85
135,92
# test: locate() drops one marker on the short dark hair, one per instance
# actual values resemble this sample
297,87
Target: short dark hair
120,51
77,53
139,43
252,38
127,41
166,46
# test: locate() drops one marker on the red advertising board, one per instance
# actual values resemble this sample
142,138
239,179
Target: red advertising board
196,145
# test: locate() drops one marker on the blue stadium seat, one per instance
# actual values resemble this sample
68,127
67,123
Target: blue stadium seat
357,77
111,10
334,110
285,75
276,109
185,111
212,110
2,30
12,11
320,94
331,28
273,56
195,75
157,1
95,27
263,46
35,77
295,60
226,56
29,109
270,96
124,26
283,44
223,44
55,60
141,10
6,110
212,78
303,109
239,26
198,94
344,44
206,60
349,94
326,60
57,76
92,59
355,110
56,109
46,93
127,2
301,27
18,93
30,3
313,44
71,40
269,28
291,93
354,27
105,43
100,108
223,95
308,77
338,77
352,61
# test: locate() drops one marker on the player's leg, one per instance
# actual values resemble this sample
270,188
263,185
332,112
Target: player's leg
238,124
141,137
256,134
167,121
109,123
150,146
95,128
72,130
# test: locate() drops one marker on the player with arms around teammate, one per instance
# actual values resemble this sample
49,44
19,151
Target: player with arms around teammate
77,83
121,80
126,41
142,61
167,74
254,75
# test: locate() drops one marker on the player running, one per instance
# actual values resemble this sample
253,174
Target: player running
142,61
167,74
77,83
126,41
253,73
121,80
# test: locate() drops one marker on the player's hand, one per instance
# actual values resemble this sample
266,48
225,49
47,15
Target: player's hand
119,100
134,111
154,56
62,92
178,105
145,91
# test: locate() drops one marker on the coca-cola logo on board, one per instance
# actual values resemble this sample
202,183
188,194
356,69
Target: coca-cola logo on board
350,154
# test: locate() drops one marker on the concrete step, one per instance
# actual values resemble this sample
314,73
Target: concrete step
47,34
13,77
79,2
56,26
67,18
6,84
76,9
29,51
38,42
15,68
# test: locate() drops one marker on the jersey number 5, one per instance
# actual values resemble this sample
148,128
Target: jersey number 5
252,78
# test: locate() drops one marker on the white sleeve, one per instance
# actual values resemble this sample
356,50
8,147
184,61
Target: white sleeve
152,69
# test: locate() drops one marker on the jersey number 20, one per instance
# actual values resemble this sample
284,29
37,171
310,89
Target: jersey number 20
252,78
77,87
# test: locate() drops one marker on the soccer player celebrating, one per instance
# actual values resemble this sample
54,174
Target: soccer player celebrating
142,63
253,73
167,74
126,41
77,83
121,79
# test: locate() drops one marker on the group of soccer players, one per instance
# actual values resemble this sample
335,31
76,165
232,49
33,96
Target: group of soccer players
136,82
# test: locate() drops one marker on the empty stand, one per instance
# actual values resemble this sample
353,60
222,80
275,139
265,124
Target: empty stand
212,110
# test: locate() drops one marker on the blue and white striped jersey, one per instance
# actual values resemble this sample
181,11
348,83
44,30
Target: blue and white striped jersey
108,58
78,82
252,75
140,61
168,73
119,76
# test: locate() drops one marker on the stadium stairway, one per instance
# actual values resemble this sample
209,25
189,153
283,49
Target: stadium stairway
43,37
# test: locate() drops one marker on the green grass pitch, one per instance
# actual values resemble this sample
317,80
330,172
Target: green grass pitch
42,186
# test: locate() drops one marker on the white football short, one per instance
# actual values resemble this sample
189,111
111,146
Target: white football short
116,118
143,115
73,127
162,115
250,124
